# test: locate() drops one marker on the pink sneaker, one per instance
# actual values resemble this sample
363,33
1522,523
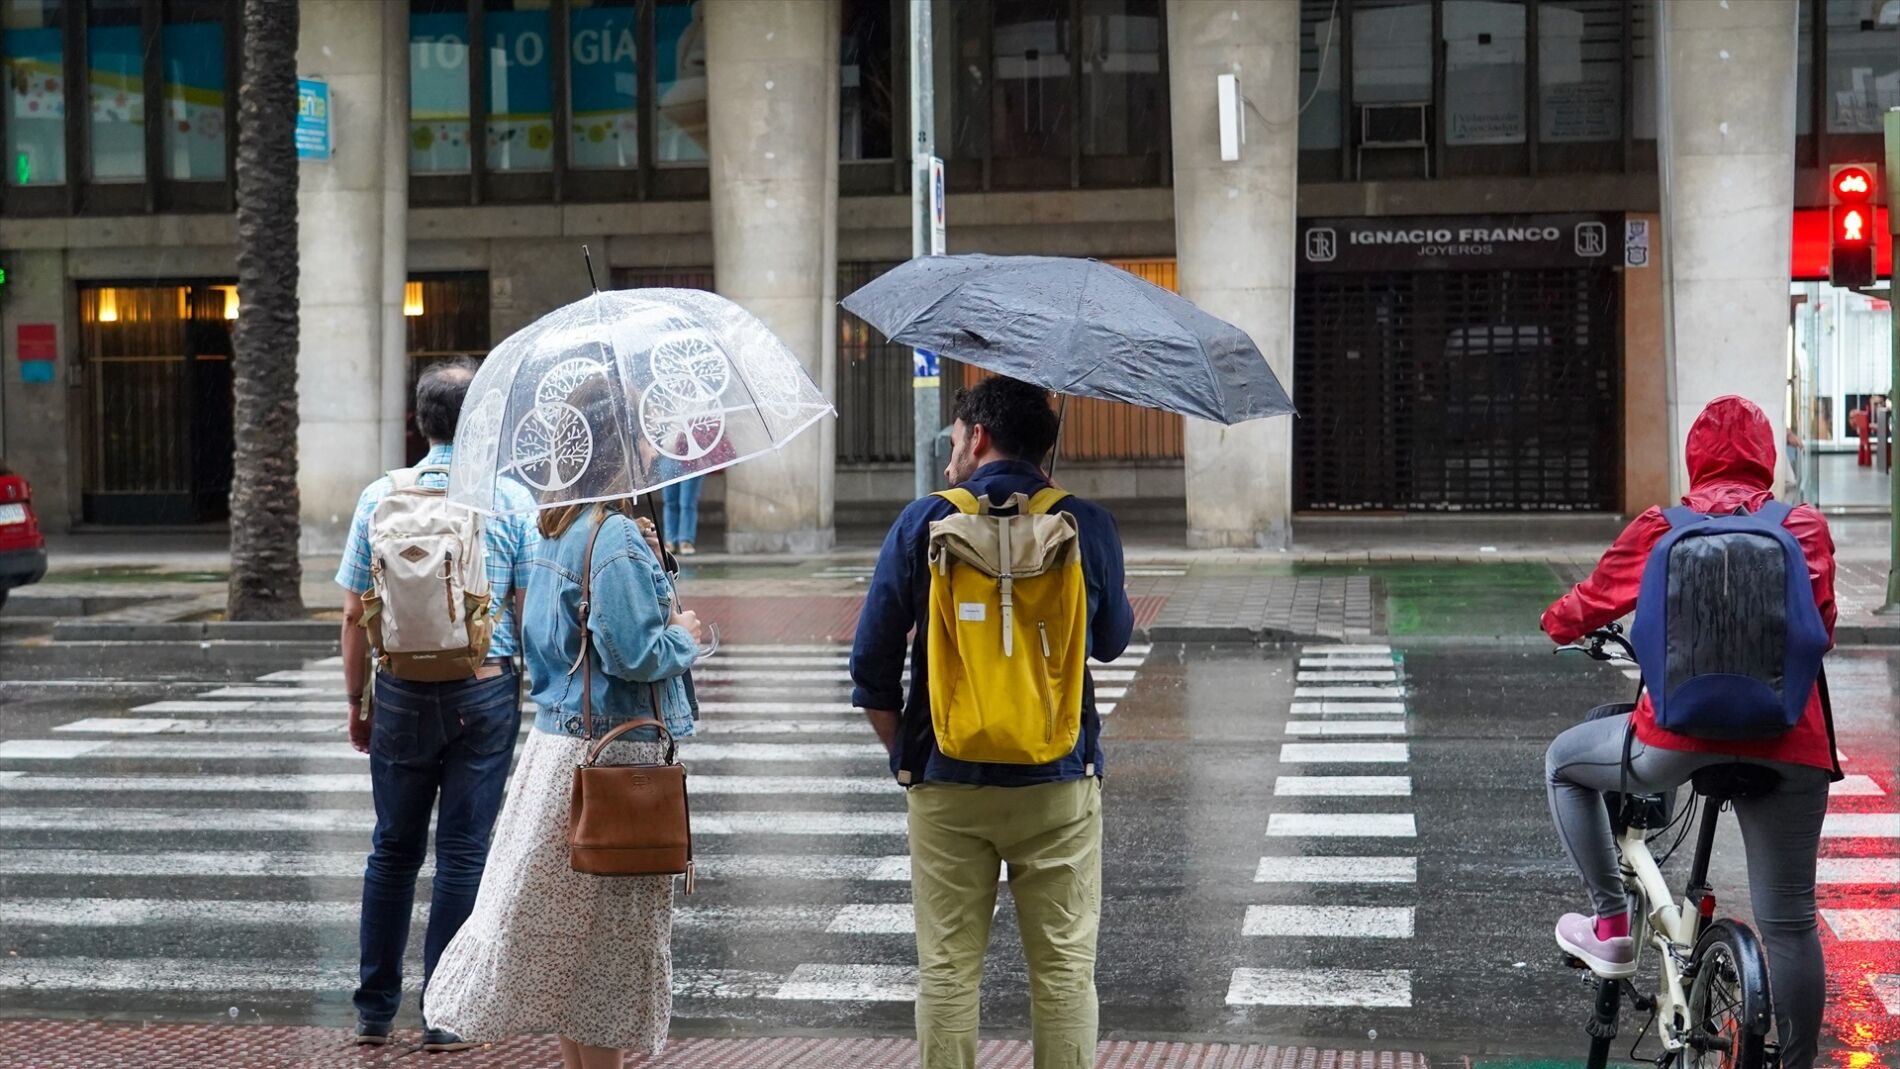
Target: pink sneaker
1612,959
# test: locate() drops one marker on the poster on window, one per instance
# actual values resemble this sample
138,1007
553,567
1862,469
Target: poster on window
438,93
1484,91
520,94
605,88
194,100
679,62
36,106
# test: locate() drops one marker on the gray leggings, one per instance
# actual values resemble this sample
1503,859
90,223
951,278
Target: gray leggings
1781,833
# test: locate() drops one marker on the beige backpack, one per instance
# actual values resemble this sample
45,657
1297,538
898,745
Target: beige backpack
428,609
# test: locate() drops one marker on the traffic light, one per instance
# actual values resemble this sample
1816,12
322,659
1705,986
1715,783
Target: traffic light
1851,238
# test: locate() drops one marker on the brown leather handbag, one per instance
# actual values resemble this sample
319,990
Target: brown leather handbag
625,820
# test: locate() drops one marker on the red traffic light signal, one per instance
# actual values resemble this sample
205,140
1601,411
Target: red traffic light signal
1853,185
1853,225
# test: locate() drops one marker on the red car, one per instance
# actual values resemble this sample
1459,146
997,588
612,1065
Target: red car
22,547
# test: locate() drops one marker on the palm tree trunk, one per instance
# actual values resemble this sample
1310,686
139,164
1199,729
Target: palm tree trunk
266,574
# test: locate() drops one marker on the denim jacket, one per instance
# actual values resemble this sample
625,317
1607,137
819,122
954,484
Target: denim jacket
633,646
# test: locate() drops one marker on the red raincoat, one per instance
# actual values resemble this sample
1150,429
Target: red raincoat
1731,454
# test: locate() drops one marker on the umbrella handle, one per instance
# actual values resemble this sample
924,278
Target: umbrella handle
1055,452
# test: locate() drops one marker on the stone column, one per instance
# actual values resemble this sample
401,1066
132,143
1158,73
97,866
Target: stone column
351,217
1727,145
772,113
1234,236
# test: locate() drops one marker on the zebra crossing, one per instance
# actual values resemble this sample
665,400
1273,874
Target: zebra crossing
264,814
1341,822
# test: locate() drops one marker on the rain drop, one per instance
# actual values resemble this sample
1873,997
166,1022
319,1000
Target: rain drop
232,1013
1372,1034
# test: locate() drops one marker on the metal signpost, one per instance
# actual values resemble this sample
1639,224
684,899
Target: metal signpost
926,239
1892,171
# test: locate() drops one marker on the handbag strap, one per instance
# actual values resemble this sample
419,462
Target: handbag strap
672,744
586,660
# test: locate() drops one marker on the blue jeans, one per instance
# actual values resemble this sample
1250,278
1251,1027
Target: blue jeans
682,510
455,739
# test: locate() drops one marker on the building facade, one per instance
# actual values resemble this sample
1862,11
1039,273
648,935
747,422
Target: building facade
1500,250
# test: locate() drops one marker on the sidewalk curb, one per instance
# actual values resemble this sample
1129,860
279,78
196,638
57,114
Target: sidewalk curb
287,631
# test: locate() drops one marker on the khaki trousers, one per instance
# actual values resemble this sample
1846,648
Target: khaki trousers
1050,836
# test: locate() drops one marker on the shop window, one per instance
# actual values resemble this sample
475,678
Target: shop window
867,78
438,87
679,62
446,317
1320,42
603,84
35,54
115,88
1579,71
1484,72
1391,52
1124,100
195,91
519,96
1032,101
1804,71
1863,64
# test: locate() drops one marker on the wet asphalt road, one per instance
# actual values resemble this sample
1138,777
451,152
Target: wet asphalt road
133,886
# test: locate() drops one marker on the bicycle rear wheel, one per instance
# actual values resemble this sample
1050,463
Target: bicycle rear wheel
1729,1005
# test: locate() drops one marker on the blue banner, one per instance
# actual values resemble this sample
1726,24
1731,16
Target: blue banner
604,60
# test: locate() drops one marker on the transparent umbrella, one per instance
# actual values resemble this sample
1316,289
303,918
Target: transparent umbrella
621,393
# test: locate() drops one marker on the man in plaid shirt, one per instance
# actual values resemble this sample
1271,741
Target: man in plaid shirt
454,740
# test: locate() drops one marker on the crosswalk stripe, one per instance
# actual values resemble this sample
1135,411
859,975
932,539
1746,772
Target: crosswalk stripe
889,918
234,750
1861,825
1303,870
191,706
358,783
1357,675
1321,987
1343,786
1345,727
850,983
1342,825
154,725
787,708
256,693
36,862
1322,753
1857,786
1363,650
1863,925
210,975
1853,870
746,649
1310,661
1332,708
1887,989
732,660
816,823
1383,693
1329,922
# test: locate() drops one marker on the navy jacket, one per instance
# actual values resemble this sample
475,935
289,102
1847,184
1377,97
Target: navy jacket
900,596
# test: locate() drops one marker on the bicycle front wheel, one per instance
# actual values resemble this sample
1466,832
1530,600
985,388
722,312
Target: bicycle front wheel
1729,1004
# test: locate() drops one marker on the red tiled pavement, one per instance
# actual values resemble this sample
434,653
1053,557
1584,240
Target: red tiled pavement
29,1044
821,618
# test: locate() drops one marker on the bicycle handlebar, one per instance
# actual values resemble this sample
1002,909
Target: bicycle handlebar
1592,645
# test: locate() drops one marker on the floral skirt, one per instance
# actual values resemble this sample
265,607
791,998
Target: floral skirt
548,949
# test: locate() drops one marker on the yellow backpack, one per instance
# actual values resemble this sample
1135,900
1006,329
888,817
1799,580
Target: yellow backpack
1008,630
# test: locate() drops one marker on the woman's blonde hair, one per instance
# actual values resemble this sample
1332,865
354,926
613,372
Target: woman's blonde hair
555,522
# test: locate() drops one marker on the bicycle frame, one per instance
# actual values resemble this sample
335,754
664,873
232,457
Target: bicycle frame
1670,927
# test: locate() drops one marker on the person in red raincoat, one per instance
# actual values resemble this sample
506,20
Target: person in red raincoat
1731,455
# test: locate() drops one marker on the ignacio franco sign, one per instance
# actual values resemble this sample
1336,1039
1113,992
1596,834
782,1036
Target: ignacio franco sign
1458,243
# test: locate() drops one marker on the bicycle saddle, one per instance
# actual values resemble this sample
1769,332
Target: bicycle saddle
1739,780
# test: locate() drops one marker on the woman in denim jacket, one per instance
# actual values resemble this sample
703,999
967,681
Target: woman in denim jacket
549,949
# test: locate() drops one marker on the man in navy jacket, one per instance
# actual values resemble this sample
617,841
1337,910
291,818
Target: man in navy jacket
968,819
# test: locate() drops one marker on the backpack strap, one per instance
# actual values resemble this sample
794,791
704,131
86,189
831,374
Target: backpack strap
1775,512
1046,500
1827,717
403,479
1683,516
964,500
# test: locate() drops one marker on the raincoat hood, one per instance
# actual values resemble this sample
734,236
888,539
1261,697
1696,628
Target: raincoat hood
1731,455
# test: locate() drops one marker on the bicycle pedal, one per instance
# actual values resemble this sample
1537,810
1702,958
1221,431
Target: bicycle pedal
1571,961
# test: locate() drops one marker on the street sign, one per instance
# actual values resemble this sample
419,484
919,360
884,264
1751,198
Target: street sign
939,240
313,119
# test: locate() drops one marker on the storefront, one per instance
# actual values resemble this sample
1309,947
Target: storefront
1840,371
1459,364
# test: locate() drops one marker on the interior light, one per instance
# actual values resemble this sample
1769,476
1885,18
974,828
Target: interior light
108,305
412,299
230,301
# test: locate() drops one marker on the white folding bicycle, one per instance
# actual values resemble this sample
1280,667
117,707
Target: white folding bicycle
1712,1005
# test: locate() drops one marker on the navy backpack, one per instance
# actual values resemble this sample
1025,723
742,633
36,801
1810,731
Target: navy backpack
1727,633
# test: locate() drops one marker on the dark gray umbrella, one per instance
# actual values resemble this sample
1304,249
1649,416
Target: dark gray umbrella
1076,327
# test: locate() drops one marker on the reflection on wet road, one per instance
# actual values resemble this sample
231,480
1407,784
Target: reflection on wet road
1342,843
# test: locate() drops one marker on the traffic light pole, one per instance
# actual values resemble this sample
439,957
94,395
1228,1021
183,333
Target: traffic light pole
925,410
1892,172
